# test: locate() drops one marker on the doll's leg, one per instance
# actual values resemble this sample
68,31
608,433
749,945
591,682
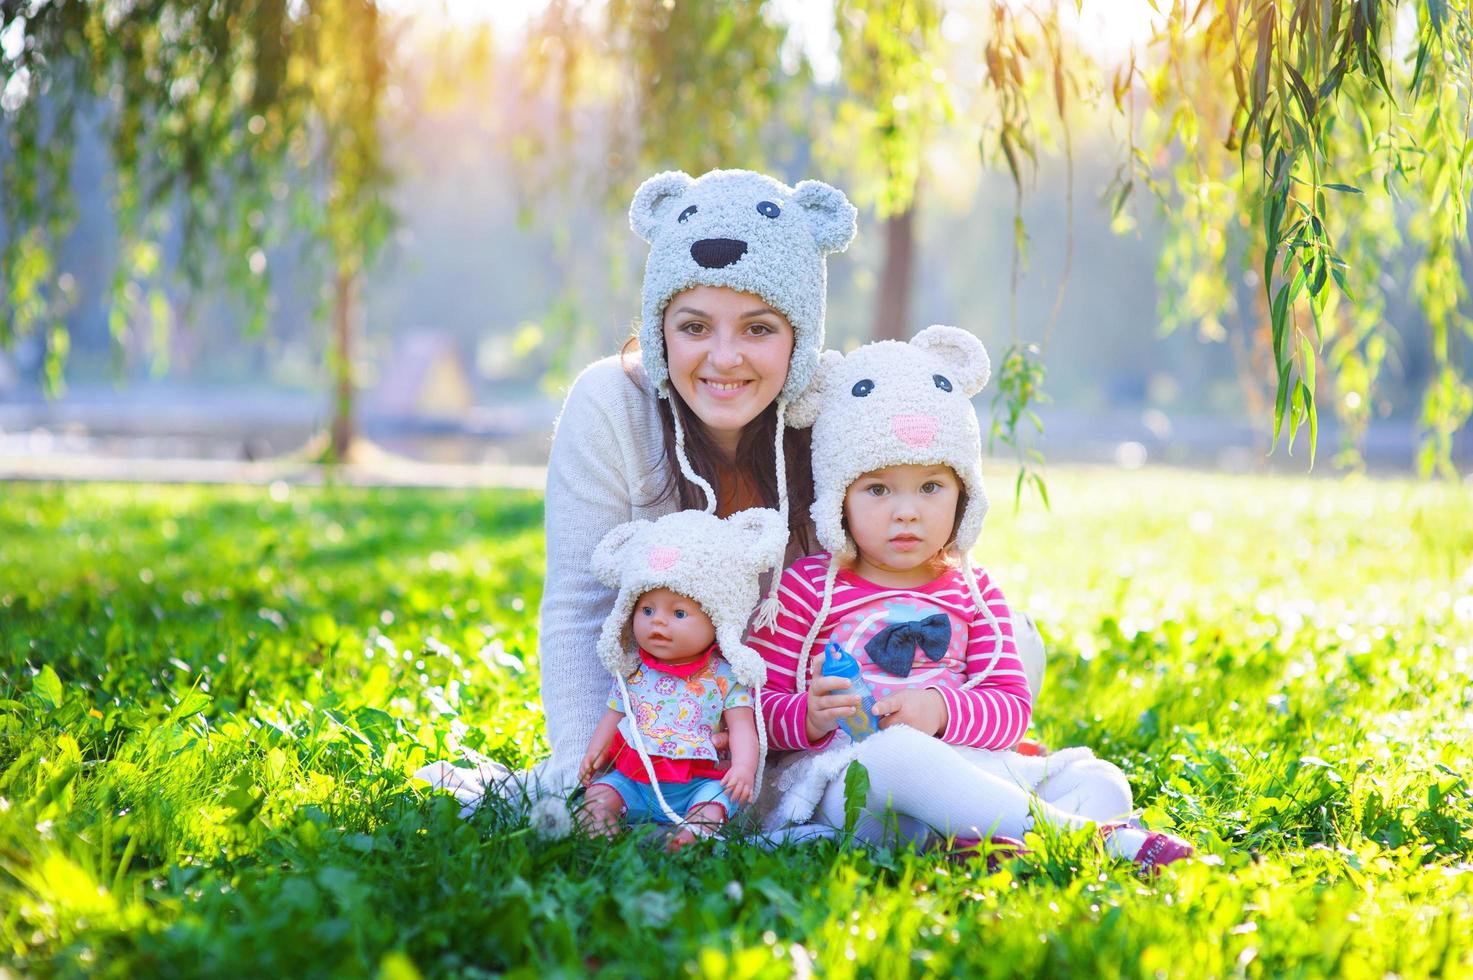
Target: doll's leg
703,821
602,811
1092,788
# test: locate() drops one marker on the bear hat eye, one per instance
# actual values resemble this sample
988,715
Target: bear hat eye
862,388
768,210
941,382
686,213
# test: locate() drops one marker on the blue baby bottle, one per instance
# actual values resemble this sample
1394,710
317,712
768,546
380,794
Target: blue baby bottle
837,662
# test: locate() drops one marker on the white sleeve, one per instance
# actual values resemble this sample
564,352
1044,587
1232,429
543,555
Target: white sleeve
590,477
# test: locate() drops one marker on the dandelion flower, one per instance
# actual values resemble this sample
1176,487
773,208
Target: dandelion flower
550,818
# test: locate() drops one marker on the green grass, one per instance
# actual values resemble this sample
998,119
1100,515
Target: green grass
211,700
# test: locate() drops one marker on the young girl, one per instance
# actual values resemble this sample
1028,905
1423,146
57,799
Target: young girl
686,584
899,504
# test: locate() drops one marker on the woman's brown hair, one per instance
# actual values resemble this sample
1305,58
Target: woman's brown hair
754,457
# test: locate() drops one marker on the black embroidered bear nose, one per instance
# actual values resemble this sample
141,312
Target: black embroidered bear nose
717,253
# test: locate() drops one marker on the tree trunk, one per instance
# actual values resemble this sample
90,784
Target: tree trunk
342,367
892,312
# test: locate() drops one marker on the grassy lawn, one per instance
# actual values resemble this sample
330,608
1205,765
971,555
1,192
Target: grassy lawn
211,699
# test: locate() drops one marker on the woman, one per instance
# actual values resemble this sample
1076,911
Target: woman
732,326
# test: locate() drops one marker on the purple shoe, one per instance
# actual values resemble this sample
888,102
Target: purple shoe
1000,849
1161,849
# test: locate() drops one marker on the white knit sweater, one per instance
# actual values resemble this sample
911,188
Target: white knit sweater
606,467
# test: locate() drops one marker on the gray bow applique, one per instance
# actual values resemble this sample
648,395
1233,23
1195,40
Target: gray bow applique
894,648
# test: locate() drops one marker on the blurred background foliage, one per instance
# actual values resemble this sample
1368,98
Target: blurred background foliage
1293,174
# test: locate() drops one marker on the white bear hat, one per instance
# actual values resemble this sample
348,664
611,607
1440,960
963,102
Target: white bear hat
754,234
715,562
893,403
712,561
746,231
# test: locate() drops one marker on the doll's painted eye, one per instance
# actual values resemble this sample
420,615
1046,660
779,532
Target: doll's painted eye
941,382
647,611
862,388
686,214
768,210
680,614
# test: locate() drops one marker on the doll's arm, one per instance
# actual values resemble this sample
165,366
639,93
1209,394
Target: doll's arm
598,746
741,728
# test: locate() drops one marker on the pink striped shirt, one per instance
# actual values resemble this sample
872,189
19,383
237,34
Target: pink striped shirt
992,715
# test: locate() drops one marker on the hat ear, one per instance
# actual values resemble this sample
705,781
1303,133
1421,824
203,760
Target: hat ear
829,213
653,199
608,557
802,411
764,538
962,353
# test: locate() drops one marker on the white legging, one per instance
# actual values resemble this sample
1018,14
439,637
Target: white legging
919,785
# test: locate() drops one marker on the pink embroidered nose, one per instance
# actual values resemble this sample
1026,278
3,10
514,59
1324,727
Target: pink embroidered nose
663,558
914,430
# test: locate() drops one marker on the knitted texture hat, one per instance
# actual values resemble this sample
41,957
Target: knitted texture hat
891,404
714,562
746,231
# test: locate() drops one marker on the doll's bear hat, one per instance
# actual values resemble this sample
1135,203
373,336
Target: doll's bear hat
892,403
713,561
746,231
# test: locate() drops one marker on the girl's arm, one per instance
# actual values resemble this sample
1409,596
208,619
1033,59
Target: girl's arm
741,729
598,747
995,713
784,710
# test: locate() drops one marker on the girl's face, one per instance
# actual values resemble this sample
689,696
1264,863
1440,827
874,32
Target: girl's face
900,518
670,627
728,354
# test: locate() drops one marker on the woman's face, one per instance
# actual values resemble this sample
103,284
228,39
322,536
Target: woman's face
728,354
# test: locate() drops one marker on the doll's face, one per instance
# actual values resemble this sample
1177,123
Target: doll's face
670,627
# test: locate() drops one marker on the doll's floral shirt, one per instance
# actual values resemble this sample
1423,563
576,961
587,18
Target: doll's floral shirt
679,707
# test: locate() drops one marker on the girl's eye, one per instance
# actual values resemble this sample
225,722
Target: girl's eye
680,614
862,388
877,490
941,382
686,214
768,210
930,486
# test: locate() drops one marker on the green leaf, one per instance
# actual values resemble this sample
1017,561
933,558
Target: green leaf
1344,188
856,794
47,686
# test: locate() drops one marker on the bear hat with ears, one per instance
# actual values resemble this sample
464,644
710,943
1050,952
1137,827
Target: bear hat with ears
749,232
715,562
888,404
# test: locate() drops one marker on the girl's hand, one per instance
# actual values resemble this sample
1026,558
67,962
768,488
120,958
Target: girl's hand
825,708
738,783
922,710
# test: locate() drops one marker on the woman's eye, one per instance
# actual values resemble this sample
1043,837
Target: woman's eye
686,214
768,210
680,614
941,382
760,329
693,328
862,388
